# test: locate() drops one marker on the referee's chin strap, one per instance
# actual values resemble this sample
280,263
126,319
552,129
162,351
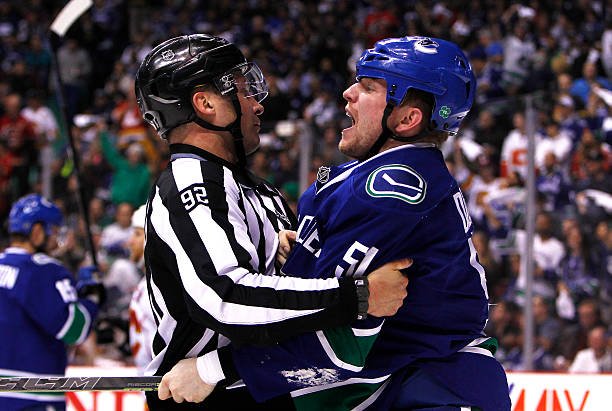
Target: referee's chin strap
387,134
234,128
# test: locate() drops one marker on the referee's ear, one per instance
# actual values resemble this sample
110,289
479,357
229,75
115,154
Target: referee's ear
204,102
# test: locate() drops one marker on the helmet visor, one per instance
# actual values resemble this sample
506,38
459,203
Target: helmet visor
247,80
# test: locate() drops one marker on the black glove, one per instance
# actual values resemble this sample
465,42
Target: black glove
88,285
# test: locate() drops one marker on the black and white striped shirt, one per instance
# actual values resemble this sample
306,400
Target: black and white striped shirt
211,241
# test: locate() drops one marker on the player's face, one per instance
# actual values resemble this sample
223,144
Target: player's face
136,244
366,101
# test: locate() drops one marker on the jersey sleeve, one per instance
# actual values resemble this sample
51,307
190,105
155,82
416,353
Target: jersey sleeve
319,358
51,301
201,235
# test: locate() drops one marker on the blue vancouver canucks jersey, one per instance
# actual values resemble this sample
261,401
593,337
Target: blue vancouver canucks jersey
356,217
39,314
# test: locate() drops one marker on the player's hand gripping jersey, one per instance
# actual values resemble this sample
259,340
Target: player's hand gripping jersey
401,203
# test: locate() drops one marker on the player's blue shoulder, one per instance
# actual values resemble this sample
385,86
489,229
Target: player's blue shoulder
411,177
26,265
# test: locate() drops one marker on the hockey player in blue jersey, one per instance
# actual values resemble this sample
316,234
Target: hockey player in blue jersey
41,308
396,200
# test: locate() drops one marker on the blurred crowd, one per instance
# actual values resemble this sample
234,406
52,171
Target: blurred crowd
555,55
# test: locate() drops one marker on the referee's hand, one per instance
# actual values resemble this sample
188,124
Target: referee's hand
183,383
387,286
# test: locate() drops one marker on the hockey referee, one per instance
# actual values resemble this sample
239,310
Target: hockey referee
211,226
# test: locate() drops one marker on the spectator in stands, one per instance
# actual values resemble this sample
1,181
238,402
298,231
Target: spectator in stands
593,198
260,165
322,110
380,22
581,87
489,134
564,113
40,115
38,62
98,215
496,283
20,138
573,337
75,68
131,178
557,141
547,329
115,236
6,167
326,146
597,358
552,183
514,148
285,170
131,127
519,51
277,103
578,270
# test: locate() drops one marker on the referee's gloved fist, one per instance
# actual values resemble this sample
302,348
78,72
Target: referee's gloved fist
387,287
183,383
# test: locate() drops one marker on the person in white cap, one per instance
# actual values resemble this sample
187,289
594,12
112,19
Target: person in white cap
142,324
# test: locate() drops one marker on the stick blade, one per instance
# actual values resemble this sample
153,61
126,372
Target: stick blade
68,15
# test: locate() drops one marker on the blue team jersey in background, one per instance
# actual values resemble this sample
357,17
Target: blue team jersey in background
40,314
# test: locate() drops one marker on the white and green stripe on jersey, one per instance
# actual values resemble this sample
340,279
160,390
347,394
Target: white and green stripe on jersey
348,347
76,327
359,393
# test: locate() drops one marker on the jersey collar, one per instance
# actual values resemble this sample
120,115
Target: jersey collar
354,165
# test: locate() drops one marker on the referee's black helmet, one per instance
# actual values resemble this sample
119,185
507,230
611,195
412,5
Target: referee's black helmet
172,71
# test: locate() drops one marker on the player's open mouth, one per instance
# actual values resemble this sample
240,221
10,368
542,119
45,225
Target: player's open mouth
351,117
352,121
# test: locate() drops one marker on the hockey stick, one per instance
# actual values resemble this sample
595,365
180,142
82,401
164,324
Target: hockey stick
64,384
66,17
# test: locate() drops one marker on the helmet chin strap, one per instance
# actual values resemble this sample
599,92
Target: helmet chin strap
384,135
234,128
388,134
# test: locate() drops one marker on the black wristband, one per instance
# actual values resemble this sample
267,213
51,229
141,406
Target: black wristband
363,294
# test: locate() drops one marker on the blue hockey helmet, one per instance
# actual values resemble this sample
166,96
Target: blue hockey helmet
32,209
429,64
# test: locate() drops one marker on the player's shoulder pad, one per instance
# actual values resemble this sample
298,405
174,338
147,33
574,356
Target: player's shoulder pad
396,181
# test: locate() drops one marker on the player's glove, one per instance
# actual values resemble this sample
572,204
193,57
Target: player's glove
88,285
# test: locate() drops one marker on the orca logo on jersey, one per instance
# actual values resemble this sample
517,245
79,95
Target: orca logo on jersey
397,181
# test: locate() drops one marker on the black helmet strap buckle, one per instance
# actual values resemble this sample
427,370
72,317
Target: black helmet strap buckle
234,128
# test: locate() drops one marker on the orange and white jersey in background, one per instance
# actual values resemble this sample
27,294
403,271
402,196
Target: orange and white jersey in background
142,326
